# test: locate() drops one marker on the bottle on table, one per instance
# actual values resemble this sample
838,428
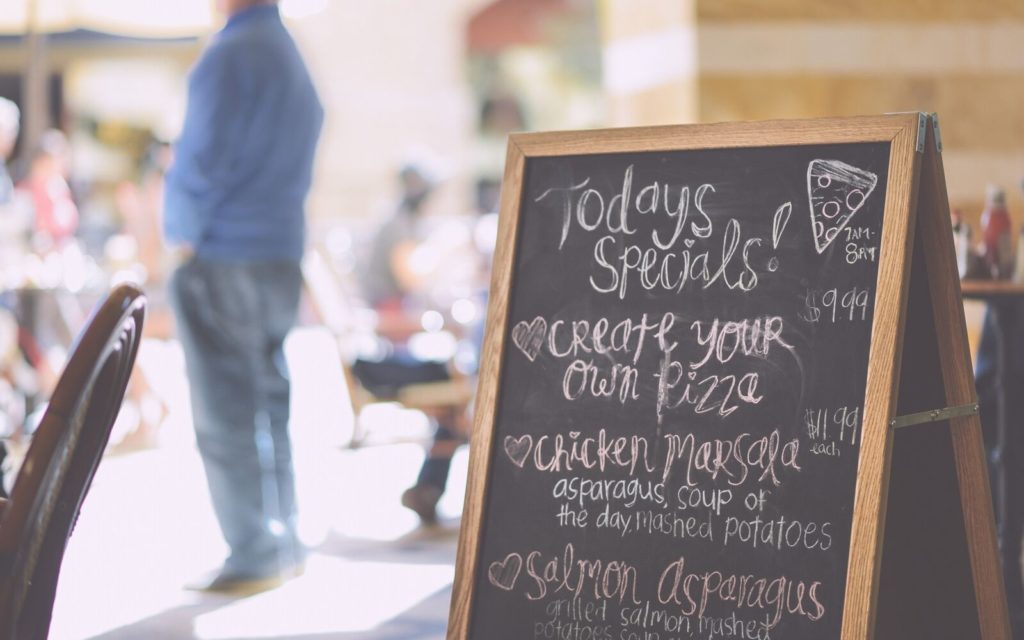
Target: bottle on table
995,230
1018,271
962,243
1018,267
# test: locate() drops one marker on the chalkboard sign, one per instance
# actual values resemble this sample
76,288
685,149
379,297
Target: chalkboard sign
691,372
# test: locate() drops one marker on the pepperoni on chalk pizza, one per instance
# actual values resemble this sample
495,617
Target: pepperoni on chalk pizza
836,191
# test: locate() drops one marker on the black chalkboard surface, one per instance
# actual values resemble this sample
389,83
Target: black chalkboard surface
677,392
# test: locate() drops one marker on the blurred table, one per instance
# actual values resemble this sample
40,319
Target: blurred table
1000,369
987,290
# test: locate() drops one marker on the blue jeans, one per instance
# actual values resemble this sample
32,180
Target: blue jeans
232,321
999,377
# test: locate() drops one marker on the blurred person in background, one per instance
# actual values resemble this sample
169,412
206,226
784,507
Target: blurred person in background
10,123
234,214
998,369
391,277
15,219
137,253
140,203
393,281
11,405
54,210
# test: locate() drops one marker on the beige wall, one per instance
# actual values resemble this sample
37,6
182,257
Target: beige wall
756,60
963,60
392,79
649,60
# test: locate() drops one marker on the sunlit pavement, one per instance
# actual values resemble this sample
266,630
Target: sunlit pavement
147,528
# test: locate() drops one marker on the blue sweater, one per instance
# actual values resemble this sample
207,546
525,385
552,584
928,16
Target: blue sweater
244,163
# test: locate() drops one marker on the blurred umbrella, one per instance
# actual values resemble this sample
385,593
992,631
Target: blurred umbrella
162,19
32,22
506,23
37,25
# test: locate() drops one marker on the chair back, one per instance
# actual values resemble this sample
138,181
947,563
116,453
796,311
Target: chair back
61,461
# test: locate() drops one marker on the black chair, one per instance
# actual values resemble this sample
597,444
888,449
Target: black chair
60,463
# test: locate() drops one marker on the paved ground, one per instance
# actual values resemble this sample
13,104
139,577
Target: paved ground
147,529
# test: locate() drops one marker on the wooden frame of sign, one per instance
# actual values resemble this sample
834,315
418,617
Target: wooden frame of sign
922,559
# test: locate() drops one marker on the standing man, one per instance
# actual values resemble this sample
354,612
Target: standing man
234,215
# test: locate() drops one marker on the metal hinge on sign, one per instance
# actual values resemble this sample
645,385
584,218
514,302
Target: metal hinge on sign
935,415
922,127
922,130
936,131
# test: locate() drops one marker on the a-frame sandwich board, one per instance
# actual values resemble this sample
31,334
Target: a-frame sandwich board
923,560
938,570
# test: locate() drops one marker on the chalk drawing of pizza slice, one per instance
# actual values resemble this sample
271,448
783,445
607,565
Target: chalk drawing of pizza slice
836,191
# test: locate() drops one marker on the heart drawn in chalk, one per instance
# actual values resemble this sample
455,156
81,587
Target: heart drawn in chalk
529,336
505,573
518,449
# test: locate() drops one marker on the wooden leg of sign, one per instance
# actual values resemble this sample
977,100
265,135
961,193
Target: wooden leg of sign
926,588
940,572
972,472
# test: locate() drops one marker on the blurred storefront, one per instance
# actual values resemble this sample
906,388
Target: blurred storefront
435,78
